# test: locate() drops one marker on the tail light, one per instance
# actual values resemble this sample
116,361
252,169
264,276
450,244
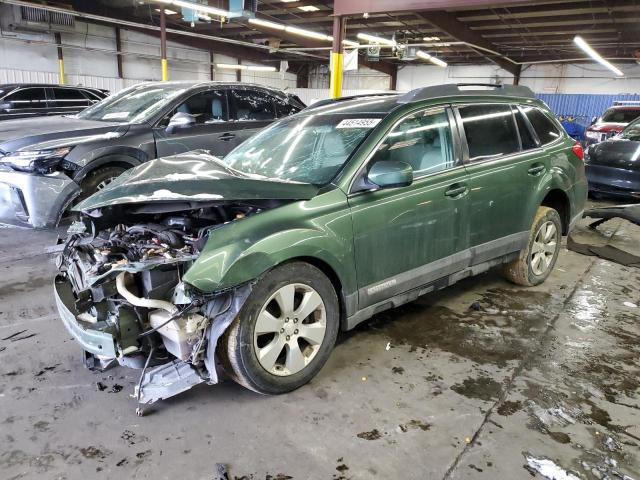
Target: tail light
578,150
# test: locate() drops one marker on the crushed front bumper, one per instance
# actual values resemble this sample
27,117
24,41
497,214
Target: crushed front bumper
32,200
92,340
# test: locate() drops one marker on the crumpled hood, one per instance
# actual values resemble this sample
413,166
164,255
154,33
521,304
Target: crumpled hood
192,177
48,132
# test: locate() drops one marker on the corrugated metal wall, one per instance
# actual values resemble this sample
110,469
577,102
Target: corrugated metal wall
582,107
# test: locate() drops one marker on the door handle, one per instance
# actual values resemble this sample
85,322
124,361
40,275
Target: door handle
456,191
227,136
536,169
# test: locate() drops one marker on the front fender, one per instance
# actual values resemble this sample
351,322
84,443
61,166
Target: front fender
243,250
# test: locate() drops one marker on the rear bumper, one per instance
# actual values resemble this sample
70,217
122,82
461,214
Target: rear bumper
613,181
32,200
91,340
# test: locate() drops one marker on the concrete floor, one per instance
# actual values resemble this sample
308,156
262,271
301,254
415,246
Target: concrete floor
551,373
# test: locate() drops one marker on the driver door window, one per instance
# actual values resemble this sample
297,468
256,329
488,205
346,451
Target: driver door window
422,140
206,107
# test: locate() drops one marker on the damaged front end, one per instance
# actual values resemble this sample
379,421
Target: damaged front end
120,293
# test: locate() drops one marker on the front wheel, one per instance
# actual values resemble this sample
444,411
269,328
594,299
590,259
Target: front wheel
535,262
285,331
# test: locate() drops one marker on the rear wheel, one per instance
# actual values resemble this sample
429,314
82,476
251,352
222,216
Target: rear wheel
536,262
285,332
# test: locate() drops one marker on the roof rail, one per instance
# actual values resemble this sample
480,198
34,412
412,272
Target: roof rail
465,89
329,101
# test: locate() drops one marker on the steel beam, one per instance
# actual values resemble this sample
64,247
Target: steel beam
358,7
61,78
163,45
337,57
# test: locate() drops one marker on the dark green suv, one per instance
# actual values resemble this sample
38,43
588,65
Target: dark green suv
318,222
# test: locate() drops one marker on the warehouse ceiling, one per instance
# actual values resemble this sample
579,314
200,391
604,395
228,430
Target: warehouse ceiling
504,33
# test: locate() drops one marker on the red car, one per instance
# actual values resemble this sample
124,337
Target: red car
612,122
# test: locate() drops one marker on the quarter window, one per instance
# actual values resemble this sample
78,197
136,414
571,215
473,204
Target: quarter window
545,129
284,107
252,105
490,130
423,140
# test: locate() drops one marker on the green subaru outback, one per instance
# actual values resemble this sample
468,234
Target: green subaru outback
253,263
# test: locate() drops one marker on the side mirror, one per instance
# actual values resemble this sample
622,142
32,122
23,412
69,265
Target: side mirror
390,174
180,121
594,120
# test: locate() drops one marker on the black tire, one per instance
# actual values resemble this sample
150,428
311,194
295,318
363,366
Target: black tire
521,271
237,351
96,179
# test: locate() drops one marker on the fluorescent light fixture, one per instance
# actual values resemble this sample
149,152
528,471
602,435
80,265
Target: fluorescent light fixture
266,23
309,8
167,11
308,33
289,1
198,7
378,40
431,39
350,43
580,42
254,68
430,58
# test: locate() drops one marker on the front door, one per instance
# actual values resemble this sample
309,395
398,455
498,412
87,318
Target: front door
409,236
212,130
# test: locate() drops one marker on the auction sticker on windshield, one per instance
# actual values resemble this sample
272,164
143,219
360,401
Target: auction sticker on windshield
358,123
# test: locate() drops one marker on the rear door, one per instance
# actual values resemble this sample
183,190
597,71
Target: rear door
406,237
24,102
505,167
210,132
251,110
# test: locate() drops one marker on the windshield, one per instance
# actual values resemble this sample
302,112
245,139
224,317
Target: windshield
133,105
632,132
310,148
620,116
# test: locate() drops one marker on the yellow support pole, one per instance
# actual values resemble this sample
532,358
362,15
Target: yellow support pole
61,78
335,88
335,61
165,69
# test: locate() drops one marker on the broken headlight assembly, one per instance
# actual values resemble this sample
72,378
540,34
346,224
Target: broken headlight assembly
40,161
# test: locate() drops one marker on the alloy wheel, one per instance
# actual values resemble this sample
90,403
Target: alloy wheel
290,329
544,248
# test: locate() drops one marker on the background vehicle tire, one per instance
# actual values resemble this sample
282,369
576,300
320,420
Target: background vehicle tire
285,331
98,179
536,262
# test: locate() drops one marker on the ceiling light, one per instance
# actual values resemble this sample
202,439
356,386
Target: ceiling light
266,23
432,59
255,68
289,1
308,33
580,42
198,7
350,43
261,68
431,39
167,11
378,40
309,8
231,66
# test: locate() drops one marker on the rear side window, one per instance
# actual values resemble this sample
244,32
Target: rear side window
545,129
490,130
69,98
252,105
526,137
619,115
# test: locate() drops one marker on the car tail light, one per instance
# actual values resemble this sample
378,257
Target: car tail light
578,150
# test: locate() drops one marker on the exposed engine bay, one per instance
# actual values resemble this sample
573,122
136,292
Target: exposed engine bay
122,270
